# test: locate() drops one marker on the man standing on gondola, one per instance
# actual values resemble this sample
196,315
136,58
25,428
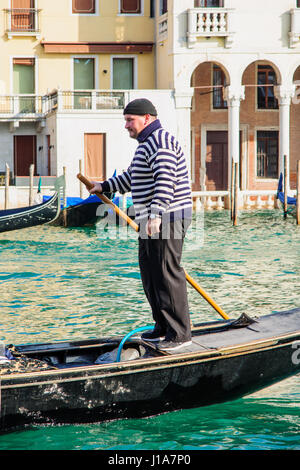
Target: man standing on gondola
158,180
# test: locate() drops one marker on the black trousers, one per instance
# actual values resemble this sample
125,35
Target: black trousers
164,279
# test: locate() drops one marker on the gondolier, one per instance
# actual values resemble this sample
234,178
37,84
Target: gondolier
158,180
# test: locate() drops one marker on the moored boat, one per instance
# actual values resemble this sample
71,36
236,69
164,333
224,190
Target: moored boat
291,201
113,378
30,216
78,212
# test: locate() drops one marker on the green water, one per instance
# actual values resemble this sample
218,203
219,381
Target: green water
58,284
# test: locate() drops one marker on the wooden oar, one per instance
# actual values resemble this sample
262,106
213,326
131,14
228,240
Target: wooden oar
89,185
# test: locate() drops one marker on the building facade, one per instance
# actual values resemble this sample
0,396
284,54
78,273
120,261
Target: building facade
224,75
240,62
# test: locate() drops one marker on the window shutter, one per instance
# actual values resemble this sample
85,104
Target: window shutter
130,6
23,61
83,6
22,4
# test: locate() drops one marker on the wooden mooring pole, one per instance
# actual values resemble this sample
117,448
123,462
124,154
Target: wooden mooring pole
298,194
285,186
80,183
6,194
65,198
31,173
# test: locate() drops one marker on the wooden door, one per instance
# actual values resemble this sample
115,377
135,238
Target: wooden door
94,156
217,161
24,154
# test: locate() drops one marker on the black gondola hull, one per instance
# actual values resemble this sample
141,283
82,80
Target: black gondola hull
154,383
31,216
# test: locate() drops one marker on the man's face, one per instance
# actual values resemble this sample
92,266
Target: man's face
135,124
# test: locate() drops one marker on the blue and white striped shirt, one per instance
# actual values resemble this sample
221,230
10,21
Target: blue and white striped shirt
157,176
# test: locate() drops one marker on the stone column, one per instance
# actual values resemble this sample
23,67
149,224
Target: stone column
233,96
284,96
183,104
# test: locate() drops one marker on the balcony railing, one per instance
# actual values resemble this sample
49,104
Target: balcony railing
21,105
36,106
162,27
90,100
210,22
22,21
295,27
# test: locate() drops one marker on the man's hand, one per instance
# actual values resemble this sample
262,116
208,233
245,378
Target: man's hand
153,226
96,188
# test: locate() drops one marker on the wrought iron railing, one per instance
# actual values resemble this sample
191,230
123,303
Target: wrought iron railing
22,21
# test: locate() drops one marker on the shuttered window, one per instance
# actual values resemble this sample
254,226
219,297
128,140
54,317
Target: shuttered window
83,6
23,73
130,6
22,15
24,83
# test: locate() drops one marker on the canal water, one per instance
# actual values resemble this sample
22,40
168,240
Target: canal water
65,284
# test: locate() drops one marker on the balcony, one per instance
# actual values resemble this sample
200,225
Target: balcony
22,22
36,107
210,22
90,100
295,27
21,106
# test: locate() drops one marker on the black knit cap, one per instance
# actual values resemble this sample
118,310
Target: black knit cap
140,107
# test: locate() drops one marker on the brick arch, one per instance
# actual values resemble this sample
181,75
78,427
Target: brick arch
275,67
190,72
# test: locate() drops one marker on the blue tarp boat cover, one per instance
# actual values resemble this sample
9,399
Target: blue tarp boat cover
280,194
77,201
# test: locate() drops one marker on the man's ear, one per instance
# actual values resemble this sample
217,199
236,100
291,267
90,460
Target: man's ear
147,119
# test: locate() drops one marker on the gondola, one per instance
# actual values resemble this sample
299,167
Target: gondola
78,212
291,201
24,217
86,212
120,377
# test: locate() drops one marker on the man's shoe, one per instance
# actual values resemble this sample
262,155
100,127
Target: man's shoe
153,335
173,345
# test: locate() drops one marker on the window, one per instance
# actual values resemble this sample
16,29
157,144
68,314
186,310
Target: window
267,154
218,79
123,73
83,6
298,3
22,15
84,79
209,3
130,6
24,83
265,94
84,74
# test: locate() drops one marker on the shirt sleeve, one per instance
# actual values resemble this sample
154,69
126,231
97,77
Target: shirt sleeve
120,183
